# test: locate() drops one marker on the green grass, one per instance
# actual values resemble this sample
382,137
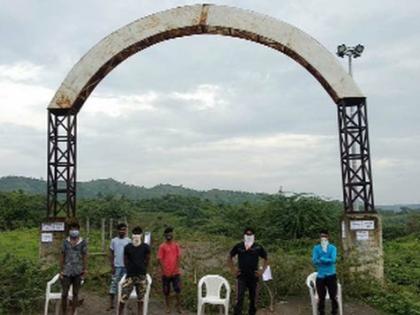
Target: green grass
22,243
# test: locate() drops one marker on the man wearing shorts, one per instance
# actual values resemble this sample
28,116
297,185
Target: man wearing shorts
73,266
136,259
169,256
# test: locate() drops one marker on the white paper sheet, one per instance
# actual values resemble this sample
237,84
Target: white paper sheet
362,225
46,237
362,235
53,226
147,237
267,274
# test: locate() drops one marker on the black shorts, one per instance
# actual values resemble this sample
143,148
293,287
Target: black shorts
67,281
176,284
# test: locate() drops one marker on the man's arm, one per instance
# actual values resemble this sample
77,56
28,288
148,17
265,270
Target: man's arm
315,258
147,260
160,255
263,255
178,261
111,260
85,264
85,261
61,264
331,259
125,256
231,266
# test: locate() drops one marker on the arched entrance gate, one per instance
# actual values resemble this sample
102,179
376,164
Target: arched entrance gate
208,19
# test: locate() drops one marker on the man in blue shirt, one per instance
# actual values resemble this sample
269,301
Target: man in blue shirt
116,250
324,257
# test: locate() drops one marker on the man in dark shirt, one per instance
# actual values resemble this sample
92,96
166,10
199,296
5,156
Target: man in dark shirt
247,273
73,266
136,260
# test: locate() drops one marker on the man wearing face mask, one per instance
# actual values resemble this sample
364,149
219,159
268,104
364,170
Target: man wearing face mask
169,256
136,260
247,274
324,257
117,260
73,266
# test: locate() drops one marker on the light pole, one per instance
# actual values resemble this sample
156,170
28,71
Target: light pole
351,52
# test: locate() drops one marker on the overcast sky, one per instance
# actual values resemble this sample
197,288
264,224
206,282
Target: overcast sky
209,111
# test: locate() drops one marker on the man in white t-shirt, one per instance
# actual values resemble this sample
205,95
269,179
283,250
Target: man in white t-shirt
117,260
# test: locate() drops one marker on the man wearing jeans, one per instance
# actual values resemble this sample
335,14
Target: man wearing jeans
117,260
324,257
247,274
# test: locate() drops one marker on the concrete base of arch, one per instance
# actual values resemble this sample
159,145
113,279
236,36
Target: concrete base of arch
361,240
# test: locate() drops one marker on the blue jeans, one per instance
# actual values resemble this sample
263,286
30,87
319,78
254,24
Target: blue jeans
116,277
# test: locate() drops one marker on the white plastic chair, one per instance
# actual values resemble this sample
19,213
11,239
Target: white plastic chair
133,294
311,284
55,295
214,285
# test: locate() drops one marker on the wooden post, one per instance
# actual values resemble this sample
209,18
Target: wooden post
87,228
111,227
126,223
103,235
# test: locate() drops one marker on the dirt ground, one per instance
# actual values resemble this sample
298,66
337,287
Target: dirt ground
96,305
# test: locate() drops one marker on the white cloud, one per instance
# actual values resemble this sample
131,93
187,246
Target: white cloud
204,97
119,105
21,71
24,103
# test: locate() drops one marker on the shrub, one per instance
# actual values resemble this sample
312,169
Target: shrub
22,285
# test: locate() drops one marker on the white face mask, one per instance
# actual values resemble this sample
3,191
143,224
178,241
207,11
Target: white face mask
136,239
324,243
249,240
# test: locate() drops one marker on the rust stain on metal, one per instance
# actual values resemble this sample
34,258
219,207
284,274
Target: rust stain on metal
204,14
63,101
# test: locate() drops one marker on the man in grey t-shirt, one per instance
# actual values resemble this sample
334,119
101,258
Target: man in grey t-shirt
117,260
73,266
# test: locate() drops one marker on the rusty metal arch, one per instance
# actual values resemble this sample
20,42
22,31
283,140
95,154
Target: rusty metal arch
202,19
207,19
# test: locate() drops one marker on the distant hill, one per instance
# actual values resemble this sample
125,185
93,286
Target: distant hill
399,207
110,187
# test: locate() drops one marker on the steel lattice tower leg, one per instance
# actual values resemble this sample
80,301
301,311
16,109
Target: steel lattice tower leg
61,182
355,164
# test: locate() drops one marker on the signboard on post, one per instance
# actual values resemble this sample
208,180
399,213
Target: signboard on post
52,232
53,227
362,225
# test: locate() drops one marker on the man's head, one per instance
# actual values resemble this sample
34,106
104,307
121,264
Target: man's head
168,234
136,235
122,230
323,234
249,236
74,230
249,231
